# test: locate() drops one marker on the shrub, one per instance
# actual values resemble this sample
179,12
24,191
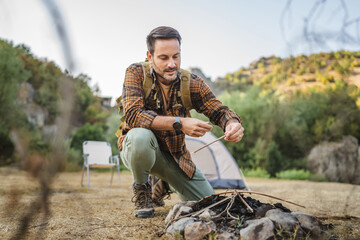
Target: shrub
294,174
112,125
291,82
74,160
274,160
86,132
257,172
6,148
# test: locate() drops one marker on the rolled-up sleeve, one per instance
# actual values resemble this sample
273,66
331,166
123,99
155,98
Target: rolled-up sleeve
133,99
204,101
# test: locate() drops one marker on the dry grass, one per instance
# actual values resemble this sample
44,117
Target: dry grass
106,213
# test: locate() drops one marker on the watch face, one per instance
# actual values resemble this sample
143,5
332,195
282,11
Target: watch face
177,125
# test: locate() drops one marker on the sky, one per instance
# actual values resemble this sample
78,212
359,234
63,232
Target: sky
219,37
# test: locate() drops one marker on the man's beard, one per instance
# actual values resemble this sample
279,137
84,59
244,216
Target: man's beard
169,79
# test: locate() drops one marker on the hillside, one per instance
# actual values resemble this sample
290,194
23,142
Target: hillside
295,72
289,106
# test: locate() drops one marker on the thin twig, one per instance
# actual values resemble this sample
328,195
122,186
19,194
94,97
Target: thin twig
208,144
247,205
263,194
229,207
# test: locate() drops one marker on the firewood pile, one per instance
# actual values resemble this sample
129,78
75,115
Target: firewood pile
231,215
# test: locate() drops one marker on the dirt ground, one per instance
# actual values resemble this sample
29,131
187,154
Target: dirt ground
106,213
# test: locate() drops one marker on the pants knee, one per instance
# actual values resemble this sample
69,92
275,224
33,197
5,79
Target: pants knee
141,139
140,144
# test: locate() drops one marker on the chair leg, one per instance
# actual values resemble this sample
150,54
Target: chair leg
82,175
88,178
118,168
112,175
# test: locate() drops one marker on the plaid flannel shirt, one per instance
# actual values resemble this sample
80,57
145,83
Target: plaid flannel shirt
140,112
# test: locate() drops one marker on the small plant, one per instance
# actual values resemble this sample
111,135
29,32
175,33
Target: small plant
240,221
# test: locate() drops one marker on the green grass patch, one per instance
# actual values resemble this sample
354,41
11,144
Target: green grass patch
257,172
294,174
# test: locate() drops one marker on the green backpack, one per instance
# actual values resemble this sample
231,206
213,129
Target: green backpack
149,84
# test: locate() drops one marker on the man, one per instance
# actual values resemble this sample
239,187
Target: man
152,139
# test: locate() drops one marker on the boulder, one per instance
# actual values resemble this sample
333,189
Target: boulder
337,161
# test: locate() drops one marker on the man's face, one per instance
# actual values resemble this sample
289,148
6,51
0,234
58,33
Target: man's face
166,59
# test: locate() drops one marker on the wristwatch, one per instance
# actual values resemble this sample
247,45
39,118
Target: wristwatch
177,124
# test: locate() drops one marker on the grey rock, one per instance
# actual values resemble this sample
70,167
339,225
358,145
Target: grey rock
226,236
286,220
173,211
190,203
183,211
259,229
206,215
179,226
309,223
198,230
26,93
337,161
36,114
262,210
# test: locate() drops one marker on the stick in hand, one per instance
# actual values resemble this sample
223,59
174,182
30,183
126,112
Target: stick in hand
208,144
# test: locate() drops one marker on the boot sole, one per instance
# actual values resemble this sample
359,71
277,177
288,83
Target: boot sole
144,213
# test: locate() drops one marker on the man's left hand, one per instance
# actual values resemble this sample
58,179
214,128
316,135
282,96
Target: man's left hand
234,131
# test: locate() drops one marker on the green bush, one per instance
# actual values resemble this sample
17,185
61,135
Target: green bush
257,172
112,125
87,132
294,174
6,149
74,160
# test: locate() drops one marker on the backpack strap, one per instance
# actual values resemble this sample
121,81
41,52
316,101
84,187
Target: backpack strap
148,82
122,119
185,91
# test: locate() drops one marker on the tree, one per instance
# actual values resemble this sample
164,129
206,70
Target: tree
12,73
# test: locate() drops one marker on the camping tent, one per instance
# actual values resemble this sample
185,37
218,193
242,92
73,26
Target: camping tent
216,162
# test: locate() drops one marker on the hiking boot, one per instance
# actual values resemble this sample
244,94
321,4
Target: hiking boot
160,191
142,200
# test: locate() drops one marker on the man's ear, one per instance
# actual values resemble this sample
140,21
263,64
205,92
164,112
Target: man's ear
149,57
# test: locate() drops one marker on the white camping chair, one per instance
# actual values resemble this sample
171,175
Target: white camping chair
98,155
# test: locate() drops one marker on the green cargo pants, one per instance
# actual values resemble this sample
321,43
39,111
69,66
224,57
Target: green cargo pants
141,154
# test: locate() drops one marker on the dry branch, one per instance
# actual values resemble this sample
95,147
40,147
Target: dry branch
247,205
262,194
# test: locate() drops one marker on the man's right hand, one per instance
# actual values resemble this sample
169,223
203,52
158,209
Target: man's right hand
194,127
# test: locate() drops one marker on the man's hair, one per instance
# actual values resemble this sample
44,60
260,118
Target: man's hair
161,32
